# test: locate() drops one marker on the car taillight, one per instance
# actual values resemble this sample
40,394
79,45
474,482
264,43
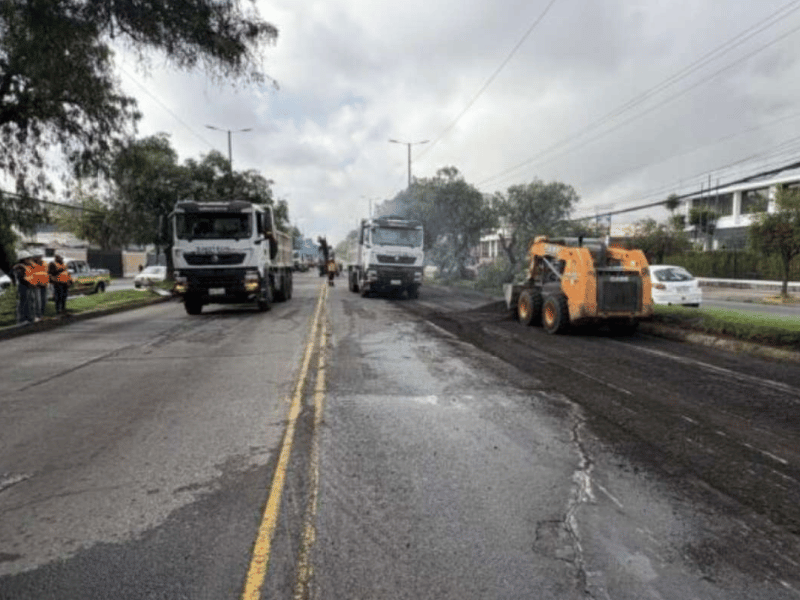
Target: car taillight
659,286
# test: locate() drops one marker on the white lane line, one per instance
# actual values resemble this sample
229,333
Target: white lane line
783,461
752,379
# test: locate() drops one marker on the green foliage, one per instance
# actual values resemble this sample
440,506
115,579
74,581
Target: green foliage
658,239
732,264
453,213
93,220
672,202
778,233
79,304
57,85
532,209
149,182
704,218
492,276
741,325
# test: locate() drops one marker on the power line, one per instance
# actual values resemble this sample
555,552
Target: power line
490,80
166,108
773,171
633,103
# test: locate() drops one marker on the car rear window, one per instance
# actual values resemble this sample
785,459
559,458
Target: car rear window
672,274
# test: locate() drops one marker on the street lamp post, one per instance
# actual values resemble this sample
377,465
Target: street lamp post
409,144
229,131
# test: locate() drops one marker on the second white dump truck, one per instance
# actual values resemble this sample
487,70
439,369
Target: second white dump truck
229,252
388,257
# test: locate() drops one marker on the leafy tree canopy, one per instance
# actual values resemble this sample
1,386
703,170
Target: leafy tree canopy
778,233
532,209
58,89
453,213
57,85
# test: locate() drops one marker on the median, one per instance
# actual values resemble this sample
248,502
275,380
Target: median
78,307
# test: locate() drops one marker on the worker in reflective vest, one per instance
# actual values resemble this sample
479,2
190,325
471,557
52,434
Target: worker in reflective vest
61,280
23,274
41,280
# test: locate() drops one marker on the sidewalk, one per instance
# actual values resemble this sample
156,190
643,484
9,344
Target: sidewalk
744,290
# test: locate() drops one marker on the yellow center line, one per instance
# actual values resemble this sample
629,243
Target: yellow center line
259,563
305,570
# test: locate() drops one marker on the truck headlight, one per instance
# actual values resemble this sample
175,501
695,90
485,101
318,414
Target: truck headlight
372,275
417,277
251,281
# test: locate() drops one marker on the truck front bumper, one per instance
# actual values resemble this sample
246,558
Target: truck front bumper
382,277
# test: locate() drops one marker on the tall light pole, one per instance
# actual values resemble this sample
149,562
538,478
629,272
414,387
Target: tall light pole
230,131
409,144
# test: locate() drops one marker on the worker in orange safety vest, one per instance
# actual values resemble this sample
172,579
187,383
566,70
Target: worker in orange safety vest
23,274
61,280
41,280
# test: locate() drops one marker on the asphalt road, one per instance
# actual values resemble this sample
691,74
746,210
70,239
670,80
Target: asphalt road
439,450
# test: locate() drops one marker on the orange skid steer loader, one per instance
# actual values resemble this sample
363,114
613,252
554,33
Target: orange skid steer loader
576,281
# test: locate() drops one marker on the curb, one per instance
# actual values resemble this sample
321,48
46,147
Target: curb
49,323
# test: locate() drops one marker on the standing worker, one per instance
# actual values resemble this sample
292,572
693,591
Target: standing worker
41,280
331,270
61,280
23,274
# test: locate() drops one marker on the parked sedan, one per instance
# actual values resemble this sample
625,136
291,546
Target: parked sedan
674,285
150,275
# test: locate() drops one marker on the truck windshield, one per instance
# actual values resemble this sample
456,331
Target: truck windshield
212,226
394,236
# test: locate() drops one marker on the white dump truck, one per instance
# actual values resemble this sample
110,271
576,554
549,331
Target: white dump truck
389,257
229,252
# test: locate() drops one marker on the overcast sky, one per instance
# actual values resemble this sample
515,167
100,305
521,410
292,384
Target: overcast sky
355,73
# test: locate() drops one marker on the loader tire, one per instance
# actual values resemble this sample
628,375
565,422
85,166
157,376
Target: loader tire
529,307
555,314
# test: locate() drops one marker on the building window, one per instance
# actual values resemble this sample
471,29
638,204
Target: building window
755,201
722,204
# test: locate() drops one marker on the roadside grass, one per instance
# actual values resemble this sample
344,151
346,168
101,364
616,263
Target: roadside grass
76,304
772,330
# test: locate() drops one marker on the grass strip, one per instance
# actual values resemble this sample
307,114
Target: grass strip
759,328
75,304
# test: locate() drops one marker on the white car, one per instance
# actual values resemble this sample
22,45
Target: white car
150,275
674,285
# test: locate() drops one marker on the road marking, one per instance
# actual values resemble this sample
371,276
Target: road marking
760,381
305,569
259,562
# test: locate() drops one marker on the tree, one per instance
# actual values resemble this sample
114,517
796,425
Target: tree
658,240
778,233
58,89
453,214
704,219
532,209
92,219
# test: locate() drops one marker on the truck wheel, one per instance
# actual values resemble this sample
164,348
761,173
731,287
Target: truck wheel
193,306
529,307
289,286
101,287
354,283
364,290
413,292
555,314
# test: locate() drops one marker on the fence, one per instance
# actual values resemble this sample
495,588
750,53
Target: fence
734,264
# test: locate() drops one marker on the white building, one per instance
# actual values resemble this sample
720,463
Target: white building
736,206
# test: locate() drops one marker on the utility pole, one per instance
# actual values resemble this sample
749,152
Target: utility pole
409,144
230,153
